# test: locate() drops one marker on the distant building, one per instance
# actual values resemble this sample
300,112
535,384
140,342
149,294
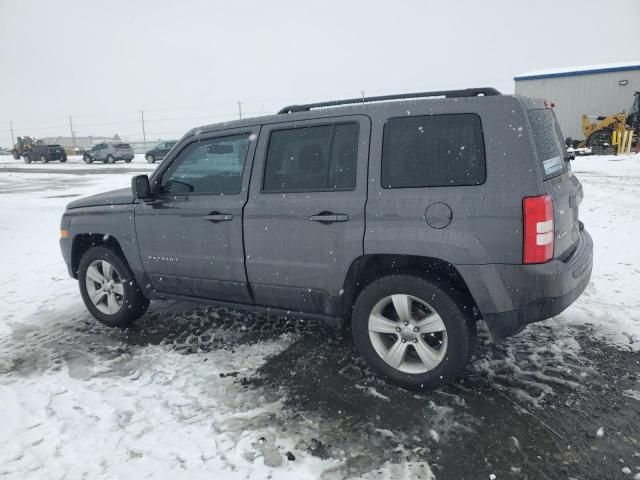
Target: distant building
81,142
597,90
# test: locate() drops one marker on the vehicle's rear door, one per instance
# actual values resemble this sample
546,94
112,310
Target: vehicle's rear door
190,237
558,179
304,220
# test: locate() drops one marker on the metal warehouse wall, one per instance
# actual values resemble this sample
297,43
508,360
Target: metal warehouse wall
593,94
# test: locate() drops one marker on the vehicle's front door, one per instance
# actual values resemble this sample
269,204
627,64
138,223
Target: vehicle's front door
95,152
100,153
304,221
190,237
164,149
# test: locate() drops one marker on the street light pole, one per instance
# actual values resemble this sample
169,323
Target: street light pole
144,134
13,142
73,134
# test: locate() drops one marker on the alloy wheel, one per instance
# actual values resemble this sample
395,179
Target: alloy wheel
104,286
407,333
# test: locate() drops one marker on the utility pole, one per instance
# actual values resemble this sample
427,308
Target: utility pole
144,133
362,92
13,142
240,110
73,134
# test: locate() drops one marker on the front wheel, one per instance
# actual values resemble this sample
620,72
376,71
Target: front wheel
44,159
16,155
109,289
27,158
151,159
413,332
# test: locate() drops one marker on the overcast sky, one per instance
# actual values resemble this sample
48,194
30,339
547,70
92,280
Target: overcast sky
189,63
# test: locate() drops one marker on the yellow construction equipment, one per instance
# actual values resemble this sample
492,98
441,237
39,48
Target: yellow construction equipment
612,134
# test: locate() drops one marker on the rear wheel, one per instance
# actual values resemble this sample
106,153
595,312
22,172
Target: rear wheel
128,160
27,158
111,159
109,289
16,155
151,159
413,332
63,159
44,159
87,159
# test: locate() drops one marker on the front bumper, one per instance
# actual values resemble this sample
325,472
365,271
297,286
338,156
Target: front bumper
65,248
511,296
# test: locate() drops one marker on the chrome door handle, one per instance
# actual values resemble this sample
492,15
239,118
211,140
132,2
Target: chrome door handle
329,217
218,217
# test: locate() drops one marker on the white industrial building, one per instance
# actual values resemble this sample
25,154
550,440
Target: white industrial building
597,90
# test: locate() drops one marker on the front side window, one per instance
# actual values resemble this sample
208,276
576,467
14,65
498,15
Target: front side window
212,166
433,151
312,159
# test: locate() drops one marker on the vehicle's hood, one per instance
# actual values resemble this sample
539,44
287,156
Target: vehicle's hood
121,196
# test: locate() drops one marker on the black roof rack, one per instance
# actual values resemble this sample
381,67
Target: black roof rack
467,92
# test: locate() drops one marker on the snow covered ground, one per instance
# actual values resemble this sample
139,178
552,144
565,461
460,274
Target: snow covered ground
196,392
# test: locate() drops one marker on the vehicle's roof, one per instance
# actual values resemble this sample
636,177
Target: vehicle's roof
365,108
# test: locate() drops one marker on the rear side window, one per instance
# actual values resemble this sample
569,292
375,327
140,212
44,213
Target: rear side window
312,159
433,151
547,140
122,145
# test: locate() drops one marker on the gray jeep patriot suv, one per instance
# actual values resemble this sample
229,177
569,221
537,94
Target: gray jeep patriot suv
413,216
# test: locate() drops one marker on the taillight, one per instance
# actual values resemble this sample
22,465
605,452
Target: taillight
537,220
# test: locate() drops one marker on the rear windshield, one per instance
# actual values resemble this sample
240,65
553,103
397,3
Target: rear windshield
122,145
547,140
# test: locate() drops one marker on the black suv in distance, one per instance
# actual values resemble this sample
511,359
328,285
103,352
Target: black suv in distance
411,215
45,153
160,151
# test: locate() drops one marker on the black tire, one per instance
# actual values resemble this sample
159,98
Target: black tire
134,303
151,159
128,160
63,159
104,160
16,155
44,159
27,158
111,159
455,313
87,159
600,143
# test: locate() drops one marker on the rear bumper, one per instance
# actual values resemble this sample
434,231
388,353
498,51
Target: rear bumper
511,296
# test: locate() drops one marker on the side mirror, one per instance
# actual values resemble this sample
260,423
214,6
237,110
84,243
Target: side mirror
141,188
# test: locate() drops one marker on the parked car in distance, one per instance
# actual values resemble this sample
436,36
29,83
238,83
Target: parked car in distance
109,152
269,214
160,151
44,153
